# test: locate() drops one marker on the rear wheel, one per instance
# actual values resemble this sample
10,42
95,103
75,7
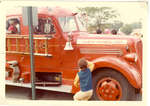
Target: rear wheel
111,85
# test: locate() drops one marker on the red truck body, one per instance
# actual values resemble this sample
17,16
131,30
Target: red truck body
117,59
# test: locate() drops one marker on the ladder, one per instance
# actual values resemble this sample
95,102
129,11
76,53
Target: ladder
14,45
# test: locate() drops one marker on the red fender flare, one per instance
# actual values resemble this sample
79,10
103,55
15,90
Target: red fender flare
131,73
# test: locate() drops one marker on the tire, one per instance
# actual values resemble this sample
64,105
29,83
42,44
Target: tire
116,85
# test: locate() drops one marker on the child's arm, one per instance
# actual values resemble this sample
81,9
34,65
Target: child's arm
76,81
91,66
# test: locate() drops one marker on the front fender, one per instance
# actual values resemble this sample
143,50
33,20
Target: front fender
120,65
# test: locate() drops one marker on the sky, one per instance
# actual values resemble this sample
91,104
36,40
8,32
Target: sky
129,11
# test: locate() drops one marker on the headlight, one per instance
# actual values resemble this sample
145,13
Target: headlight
132,57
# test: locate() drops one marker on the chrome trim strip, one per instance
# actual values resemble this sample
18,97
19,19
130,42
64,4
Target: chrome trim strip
36,54
100,51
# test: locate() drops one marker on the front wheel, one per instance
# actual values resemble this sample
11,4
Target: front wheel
111,85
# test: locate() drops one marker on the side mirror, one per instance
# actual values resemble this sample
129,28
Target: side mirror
68,45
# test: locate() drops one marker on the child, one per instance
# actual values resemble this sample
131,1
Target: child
84,76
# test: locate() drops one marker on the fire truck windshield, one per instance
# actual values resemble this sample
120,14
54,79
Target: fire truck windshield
67,23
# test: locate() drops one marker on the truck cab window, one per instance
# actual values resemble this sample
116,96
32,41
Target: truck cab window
67,23
13,26
45,26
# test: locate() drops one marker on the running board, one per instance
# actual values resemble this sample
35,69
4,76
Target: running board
61,88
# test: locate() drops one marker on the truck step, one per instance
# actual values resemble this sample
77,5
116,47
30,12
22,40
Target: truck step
60,88
47,83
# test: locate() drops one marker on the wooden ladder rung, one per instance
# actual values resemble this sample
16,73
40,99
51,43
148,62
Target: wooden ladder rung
36,47
17,44
27,46
46,46
8,44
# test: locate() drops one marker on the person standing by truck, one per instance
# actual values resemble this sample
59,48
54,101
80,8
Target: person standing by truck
84,77
114,32
98,31
12,28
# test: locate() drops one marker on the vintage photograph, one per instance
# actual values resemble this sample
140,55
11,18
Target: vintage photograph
76,53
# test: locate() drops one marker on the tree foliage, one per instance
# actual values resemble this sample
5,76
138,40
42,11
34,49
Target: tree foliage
117,25
136,25
98,15
128,28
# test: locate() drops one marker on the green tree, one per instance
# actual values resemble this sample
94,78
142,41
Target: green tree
117,25
127,29
98,15
136,25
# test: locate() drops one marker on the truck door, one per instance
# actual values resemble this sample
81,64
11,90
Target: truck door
68,57
46,46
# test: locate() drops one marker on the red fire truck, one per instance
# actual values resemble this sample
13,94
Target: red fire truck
60,40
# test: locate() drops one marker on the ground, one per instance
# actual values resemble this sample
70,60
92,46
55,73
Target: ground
25,93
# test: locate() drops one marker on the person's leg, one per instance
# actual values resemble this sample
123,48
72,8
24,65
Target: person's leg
83,95
88,95
77,96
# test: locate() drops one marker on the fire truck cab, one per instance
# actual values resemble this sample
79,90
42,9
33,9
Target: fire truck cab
60,40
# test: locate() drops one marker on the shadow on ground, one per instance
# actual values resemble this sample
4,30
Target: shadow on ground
25,93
